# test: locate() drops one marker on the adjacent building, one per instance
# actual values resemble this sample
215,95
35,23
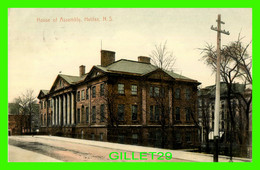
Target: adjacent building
123,101
206,105
18,124
22,123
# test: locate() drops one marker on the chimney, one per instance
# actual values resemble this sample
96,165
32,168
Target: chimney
144,59
107,57
81,70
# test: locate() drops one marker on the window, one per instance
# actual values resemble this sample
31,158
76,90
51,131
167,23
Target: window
45,104
188,137
41,119
121,138
82,94
162,92
78,117
94,91
93,113
87,96
177,114
134,112
87,114
156,113
120,111
151,138
134,89
48,119
151,113
78,96
187,110
151,91
177,93
82,113
102,115
92,136
102,90
156,91
223,125
134,139
187,94
200,102
158,138
178,137
200,112
82,134
121,88
101,136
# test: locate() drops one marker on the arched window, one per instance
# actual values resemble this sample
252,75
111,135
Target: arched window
177,93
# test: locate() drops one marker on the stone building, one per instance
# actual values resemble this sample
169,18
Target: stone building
18,124
22,123
206,105
123,101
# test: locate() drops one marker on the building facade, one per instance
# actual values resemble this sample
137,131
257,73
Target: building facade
123,101
18,124
206,106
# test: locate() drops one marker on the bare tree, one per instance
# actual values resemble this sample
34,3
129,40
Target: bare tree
110,98
204,116
236,65
162,57
110,116
162,110
27,103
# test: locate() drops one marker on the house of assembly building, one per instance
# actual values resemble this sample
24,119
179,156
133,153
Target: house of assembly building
123,101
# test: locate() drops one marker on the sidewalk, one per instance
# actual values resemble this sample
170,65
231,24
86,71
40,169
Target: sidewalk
189,156
16,154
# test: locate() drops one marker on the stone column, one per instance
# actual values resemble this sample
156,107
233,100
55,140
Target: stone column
59,121
56,111
53,109
170,105
72,109
144,105
64,110
68,108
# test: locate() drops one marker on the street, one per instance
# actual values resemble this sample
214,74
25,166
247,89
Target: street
62,149
70,151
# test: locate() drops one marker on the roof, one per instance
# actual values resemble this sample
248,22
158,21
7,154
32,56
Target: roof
122,66
72,79
128,66
45,91
211,90
138,68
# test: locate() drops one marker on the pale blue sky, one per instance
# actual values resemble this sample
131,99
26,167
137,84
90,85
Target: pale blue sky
38,51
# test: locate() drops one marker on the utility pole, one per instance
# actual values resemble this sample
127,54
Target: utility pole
217,97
